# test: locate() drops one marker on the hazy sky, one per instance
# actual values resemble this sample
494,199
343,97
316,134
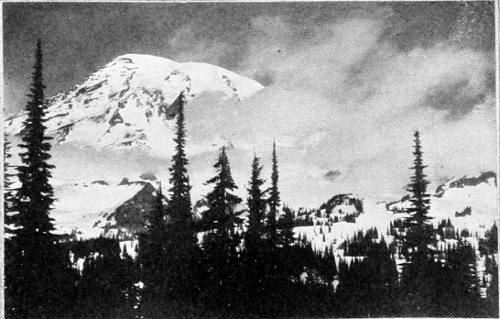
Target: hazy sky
346,83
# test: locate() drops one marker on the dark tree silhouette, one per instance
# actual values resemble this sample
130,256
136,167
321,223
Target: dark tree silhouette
286,224
253,258
458,284
36,279
221,242
106,286
420,234
418,244
256,209
152,251
274,199
180,233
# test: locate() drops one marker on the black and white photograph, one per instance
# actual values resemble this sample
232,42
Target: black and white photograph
283,159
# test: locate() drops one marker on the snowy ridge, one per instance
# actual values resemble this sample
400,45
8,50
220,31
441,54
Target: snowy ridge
119,206
129,102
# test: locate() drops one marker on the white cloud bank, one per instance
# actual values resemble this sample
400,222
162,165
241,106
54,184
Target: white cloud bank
343,98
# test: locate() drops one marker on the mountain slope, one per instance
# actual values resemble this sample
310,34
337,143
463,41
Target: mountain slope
129,102
79,206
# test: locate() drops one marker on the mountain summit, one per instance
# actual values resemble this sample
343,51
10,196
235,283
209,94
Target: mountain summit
130,101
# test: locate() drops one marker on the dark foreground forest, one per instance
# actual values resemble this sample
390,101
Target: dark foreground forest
241,268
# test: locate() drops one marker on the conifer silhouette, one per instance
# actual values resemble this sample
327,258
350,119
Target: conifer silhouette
38,268
180,234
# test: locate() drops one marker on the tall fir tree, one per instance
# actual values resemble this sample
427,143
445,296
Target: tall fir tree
36,281
256,208
274,199
253,256
420,271
419,232
179,205
180,234
222,240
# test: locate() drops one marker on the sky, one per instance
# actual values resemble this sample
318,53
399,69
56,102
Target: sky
346,83
81,37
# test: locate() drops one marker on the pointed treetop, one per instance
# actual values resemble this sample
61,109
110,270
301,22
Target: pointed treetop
274,198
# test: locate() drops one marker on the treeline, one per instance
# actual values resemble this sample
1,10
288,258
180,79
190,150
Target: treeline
253,267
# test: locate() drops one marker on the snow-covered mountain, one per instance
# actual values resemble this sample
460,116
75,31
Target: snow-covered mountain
130,101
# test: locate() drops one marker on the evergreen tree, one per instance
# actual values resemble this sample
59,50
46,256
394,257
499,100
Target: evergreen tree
489,245
274,199
36,281
221,242
256,208
420,234
152,253
420,270
286,227
221,214
180,234
254,255
179,205
458,285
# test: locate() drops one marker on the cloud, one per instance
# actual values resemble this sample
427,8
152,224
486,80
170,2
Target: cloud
341,96
332,175
454,97
189,46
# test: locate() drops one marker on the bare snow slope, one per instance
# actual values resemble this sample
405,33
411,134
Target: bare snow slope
79,206
128,102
